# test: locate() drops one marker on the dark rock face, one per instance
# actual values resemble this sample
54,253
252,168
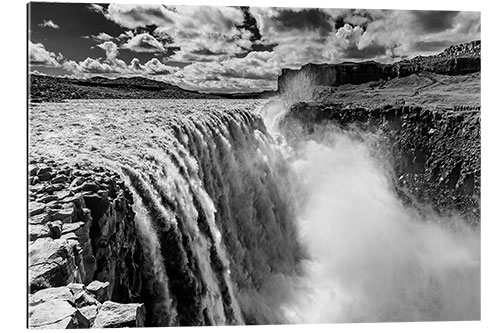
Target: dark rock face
331,74
81,231
436,154
461,59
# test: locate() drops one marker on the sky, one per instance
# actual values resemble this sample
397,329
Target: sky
228,49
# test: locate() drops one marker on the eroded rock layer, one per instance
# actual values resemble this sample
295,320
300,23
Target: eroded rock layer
455,60
435,154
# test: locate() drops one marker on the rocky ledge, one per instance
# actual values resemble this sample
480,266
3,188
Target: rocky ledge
455,60
83,268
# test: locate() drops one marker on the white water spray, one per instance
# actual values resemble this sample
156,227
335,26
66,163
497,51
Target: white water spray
372,259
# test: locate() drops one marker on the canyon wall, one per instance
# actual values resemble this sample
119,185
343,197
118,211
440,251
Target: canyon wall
455,60
435,154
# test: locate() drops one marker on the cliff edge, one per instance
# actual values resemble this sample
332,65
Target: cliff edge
455,60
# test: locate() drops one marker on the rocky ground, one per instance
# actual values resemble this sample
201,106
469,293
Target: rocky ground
83,252
43,88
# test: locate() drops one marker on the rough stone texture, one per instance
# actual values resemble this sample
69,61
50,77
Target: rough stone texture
57,314
52,263
81,228
99,290
46,88
462,59
113,315
76,306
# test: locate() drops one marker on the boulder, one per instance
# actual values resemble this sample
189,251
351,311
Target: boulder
84,298
89,312
45,176
90,186
32,170
35,208
65,215
43,169
59,179
50,294
56,314
52,263
55,228
113,315
99,289
37,231
48,198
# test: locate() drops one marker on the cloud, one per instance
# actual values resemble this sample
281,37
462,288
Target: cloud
431,21
242,48
39,56
207,33
48,24
114,67
35,72
96,8
111,50
90,65
143,43
156,67
102,37
305,19
135,16
200,33
256,72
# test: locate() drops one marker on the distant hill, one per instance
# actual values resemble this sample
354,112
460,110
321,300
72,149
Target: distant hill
49,88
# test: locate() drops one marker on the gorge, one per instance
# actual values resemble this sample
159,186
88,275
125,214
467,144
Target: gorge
330,203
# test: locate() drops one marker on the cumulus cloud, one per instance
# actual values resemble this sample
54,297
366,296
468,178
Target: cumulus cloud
200,33
144,43
234,49
48,24
102,37
256,72
113,66
206,33
156,67
135,16
39,56
111,50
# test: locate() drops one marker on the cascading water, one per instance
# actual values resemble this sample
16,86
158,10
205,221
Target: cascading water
237,227
216,219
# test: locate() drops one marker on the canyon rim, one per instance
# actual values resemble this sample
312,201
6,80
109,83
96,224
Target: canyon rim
203,165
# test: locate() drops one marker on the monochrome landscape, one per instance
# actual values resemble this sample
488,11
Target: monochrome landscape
201,165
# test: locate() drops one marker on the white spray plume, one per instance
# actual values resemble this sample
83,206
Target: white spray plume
372,259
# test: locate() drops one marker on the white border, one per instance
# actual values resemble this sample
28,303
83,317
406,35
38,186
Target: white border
12,173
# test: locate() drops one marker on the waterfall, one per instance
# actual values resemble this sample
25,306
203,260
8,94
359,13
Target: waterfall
372,259
216,219
237,227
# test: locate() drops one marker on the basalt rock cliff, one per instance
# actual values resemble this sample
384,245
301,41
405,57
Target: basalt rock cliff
435,154
81,232
427,108
455,60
